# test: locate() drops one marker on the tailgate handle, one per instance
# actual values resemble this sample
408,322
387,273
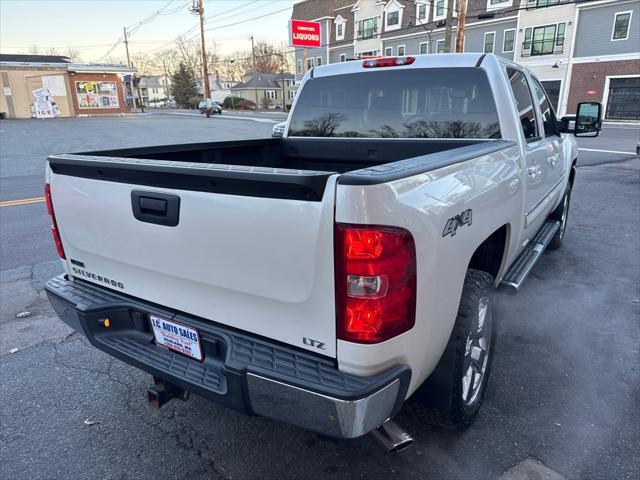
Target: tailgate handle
157,208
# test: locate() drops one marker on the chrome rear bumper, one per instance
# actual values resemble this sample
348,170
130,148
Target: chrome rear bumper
244,372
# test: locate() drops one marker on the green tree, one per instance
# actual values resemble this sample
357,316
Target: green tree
183,86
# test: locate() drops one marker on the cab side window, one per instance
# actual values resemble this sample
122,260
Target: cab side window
548,115
524,102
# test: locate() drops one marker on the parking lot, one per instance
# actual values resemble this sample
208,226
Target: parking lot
564,389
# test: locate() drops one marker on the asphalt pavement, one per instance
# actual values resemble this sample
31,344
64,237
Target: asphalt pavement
564,389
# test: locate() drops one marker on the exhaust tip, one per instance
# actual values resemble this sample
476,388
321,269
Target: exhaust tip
392,437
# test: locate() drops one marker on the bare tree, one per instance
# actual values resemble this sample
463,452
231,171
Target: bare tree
73,54
189,53
166,61
144,63
34,50
269,58
230,68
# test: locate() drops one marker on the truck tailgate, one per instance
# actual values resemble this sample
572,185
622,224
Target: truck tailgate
248,259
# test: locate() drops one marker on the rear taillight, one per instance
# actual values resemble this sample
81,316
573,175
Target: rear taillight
388,62
375,282
54,225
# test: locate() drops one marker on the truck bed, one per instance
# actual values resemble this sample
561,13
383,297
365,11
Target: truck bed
289,168
310,154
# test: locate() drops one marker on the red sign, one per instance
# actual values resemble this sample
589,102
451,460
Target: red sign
305,34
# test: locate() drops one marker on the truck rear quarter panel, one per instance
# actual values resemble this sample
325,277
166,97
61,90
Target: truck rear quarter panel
490,187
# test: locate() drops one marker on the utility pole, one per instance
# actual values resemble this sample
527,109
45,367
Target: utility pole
207,90
447,28
462,16
284,106
253,55
126,46
166,83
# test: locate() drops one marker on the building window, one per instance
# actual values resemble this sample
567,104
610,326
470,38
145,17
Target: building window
270,94
440,9
560,35
401,50
388,51
440,47
318,61
496,4
392,18
545,3
424,48
621,26
291,94
544,40
367,28
489,42
421,12
343,57
393,15
310,63
340,27
299,66
509,41
92,94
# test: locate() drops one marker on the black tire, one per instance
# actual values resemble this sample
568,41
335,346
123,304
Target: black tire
561,213
478,287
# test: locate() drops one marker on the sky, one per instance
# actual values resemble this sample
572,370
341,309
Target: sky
94,26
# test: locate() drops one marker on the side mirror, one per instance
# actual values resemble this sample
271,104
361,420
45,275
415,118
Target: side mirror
588,118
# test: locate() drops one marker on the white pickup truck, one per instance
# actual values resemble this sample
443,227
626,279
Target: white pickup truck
327,277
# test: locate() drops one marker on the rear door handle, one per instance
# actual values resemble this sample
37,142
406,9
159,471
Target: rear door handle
157,208
534,171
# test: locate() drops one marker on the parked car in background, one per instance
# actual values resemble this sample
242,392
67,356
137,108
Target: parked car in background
278,129
214,107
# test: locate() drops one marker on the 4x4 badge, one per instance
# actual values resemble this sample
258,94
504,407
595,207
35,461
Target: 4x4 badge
459,220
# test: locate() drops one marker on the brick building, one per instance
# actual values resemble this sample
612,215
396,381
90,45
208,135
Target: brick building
579,49
606,58
48,86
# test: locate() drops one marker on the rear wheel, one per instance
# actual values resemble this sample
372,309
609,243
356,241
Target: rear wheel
561,214
472,340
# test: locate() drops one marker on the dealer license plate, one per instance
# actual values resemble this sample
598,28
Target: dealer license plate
176,336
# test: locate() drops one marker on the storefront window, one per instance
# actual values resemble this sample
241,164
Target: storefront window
97,94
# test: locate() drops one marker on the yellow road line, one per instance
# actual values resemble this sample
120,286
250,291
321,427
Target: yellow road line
23,201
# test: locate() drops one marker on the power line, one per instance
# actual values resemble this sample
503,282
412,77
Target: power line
188,32
135,27
293,50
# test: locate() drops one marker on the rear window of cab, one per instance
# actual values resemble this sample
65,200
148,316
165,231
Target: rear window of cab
412,103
